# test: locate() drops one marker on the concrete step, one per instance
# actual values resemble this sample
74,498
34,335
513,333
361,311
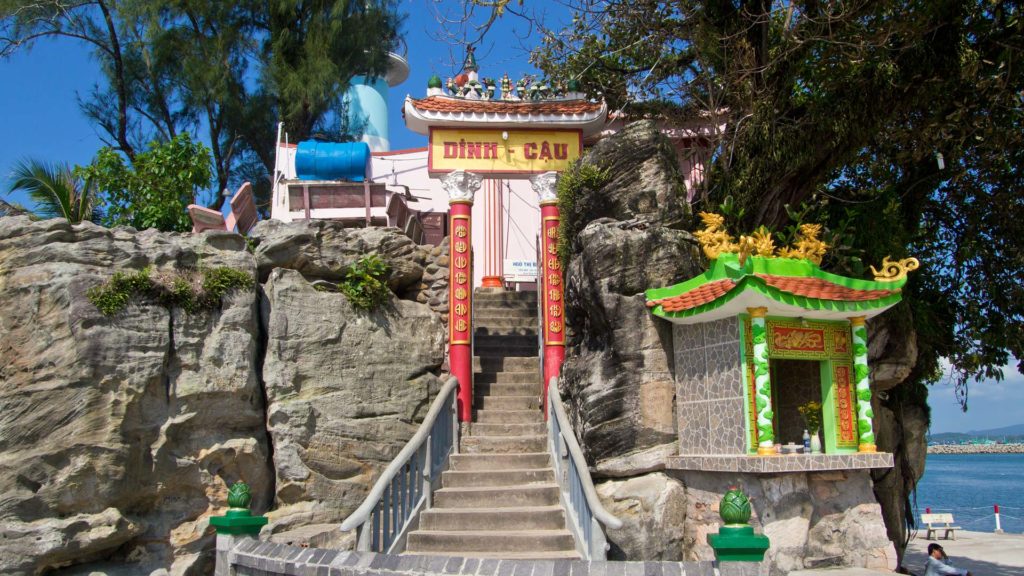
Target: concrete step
478,462
492,314
497,496
507,416
481,478
531,518
503,444
502,351
504,340
457,542
505,297
519,429
557,555
501,324
507,402
505,389
501,363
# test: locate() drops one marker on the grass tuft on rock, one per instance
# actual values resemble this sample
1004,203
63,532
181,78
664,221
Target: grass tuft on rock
192,290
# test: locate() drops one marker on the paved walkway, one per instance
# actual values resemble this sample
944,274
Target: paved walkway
983,553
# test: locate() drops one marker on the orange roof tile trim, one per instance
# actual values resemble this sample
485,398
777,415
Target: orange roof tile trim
550,107
822,289
698,296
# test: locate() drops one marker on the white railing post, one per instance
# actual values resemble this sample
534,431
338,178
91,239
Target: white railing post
384,516
587,514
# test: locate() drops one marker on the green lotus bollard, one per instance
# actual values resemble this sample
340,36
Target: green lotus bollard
238,520
736,541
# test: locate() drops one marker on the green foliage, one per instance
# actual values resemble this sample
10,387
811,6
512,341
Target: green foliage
364,283
113,296
156,189
227,70
191,290
57,191
578,178
897,124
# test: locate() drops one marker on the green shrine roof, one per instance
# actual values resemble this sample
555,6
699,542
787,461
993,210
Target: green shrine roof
786,286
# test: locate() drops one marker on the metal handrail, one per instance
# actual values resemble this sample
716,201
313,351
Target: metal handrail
580,498
387,514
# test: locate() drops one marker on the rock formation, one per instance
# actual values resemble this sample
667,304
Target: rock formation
618,368
119,435
345,391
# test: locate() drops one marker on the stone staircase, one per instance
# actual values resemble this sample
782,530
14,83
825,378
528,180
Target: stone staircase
499,498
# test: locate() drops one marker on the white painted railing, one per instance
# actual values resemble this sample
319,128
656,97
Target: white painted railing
404,489
587,517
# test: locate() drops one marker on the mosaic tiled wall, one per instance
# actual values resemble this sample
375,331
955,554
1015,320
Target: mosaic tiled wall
709,388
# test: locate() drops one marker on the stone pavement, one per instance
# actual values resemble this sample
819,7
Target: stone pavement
983,553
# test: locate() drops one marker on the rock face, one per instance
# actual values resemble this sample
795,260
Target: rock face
119,435
813,520
652,508
345,390
617,378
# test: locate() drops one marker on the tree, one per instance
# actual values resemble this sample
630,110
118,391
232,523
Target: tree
895,122
57,191
230,70
156,189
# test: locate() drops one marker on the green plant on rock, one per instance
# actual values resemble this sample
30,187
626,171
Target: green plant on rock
192,290
364,283
577,178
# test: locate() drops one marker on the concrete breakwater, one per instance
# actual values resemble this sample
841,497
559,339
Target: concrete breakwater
976,449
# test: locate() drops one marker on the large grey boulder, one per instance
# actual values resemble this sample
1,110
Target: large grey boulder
320,250
652,508
617,378
346,388
119,435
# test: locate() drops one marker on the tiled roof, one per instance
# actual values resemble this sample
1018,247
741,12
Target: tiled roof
547,107
822,289
701,295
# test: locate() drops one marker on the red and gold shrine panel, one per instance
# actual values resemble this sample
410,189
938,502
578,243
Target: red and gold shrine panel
460,290
803,340
551,269
845,409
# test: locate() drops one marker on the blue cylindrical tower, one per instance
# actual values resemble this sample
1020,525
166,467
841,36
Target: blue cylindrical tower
367,99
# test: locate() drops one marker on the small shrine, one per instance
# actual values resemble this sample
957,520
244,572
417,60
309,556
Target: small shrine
767,342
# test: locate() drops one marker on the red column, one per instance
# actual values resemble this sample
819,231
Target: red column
550,269
460,187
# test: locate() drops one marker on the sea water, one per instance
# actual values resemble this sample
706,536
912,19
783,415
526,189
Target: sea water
968,485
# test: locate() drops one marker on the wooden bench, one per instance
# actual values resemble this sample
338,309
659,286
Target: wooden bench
937,522
241,216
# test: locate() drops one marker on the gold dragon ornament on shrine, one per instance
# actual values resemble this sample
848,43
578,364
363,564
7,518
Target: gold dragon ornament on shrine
713,238
807,245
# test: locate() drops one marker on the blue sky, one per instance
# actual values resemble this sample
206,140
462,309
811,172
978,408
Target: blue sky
41,119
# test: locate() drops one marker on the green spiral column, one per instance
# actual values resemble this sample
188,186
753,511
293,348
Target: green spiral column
762,382
865,428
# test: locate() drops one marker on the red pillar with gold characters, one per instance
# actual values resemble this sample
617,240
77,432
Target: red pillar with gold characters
461,186
553,304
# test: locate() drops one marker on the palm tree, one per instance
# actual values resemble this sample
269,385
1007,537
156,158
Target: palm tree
56,190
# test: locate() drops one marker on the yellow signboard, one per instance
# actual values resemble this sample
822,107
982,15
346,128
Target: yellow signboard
505,152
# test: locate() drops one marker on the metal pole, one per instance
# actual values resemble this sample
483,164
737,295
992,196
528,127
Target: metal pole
999,527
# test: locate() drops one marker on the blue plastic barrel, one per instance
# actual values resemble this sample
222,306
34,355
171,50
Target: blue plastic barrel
315,160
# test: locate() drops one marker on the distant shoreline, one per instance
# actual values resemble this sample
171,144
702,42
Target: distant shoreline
976,449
